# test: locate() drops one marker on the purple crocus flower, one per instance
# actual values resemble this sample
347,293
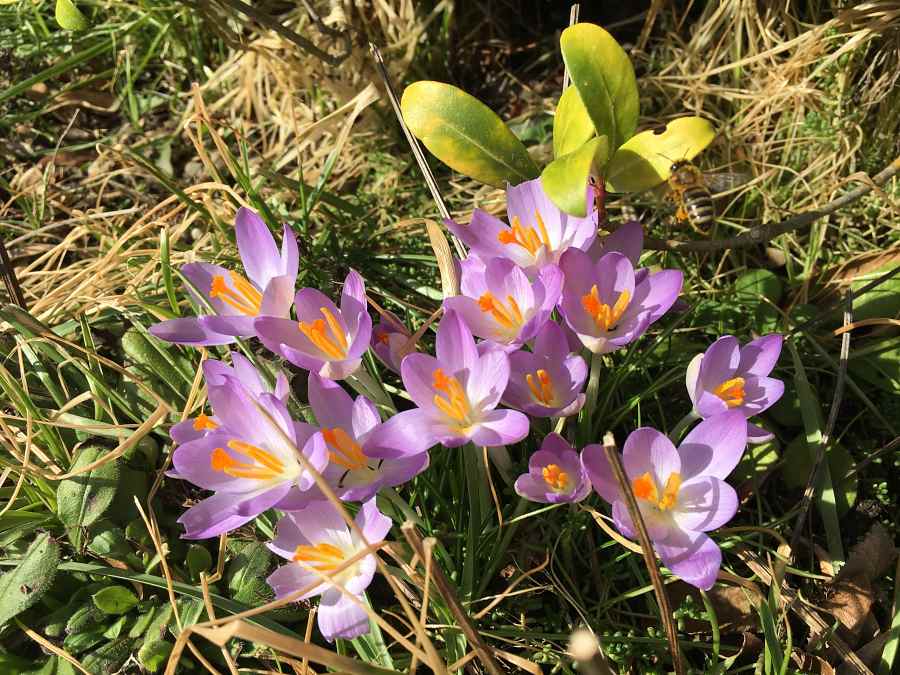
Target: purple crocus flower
538,233
500,304
215,373
456,394
606,305
546,382
390,340
355,438
249,460
682,493
317,540
730,377
555,474
627,239
235,299
324,339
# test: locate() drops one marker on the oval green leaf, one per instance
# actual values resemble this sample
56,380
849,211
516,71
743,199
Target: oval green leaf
82,499
69,17
645,160
465,134
23,586
114,600
604,76
565,179
572,126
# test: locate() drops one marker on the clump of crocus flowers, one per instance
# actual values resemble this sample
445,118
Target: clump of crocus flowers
546,295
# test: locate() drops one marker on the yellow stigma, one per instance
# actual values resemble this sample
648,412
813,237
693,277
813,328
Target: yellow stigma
645,489
506,316
323,557
526,237
454,403
202,423
541,387
265,466
555,477
327,335
245,298
604,316
731,391
345,451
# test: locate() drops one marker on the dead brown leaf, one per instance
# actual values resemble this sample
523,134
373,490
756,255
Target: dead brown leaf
871,557
850,602
734,606
811,665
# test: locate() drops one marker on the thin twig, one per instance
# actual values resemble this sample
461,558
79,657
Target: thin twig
813,479
612,456
446,590
10,279
764,233
573,19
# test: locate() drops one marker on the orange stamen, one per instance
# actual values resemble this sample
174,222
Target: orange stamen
323,556
245,297
265,466
555,477
328,338
645,488
542,389
456,404
731,391
347,452
604,316
525,237
202,422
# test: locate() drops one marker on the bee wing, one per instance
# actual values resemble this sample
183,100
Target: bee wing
725,180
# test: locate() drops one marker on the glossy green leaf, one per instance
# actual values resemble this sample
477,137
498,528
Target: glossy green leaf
881,302
69,17
645,160
23,586
755,284
153,655
565,179
465,134
572,126
114,600
798,464
604,76
82,499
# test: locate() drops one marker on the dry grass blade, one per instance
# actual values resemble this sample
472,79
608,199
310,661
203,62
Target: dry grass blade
665,611
445,261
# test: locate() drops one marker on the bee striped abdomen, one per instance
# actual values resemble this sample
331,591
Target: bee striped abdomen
699,206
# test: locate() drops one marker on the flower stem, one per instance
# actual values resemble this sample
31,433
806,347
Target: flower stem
368,386
683,424
586,421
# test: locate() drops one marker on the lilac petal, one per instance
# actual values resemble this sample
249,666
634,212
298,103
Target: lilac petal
691,376
242,369
223,513
760,356
340,617
297,499
551,341
646,449
303,432
185,431
487,380
278,297
455,346
192,462
408,433
657,293
353,304
283,337
719,362
339,370
316,452
713,447
472,281
480,323
392,472
537,491
290,253
321,521
693,556
627,239
756,434
365,417
189,331
657,523
199,277
243,416
759,394
481,238
290,578
705,503
593,458
616,275
500,427
331,405
257,247
551,277
287,537
708,404
373,523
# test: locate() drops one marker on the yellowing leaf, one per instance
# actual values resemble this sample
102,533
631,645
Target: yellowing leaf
465,134
572,126
565,179
604,76
69,17
645,160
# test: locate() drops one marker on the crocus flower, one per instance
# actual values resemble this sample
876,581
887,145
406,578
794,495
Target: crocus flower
353,434
237,300
249,460
546,382
324,339
500,304
682,493
390,339
456,394
538,232
627,239
217,372
730,377
317,540
604,304
555,474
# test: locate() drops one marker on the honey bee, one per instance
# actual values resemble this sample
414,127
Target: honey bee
691,191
